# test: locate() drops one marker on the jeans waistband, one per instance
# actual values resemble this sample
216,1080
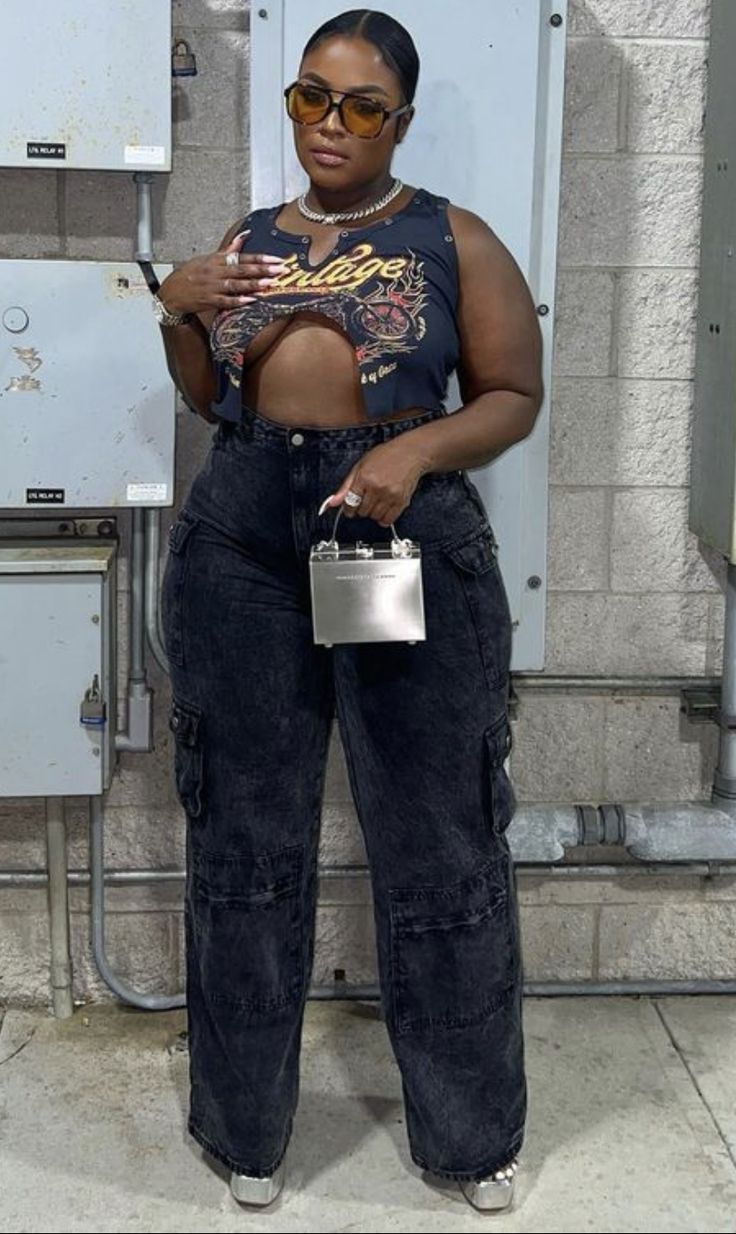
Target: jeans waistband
257,427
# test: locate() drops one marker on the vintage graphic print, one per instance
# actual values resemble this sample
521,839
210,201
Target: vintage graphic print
377,301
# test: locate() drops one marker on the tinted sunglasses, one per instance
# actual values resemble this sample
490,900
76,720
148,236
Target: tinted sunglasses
359,115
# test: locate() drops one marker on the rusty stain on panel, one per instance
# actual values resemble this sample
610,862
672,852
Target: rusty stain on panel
29,356
123,285
23,383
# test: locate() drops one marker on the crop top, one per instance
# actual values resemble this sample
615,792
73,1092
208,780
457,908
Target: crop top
392,288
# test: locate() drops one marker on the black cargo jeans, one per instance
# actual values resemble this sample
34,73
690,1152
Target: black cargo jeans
425,732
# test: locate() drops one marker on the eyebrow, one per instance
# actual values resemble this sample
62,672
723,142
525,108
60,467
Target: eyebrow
369,89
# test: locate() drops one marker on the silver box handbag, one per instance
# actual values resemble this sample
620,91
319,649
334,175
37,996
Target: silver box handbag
366,593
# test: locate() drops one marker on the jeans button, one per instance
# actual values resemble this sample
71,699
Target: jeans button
297,439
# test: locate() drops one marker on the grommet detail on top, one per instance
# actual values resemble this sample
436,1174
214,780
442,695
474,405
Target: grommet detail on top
450,239
305,239
387,221
297,439
273,231
344,233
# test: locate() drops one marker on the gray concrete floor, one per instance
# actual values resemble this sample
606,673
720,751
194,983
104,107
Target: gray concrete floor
632,1126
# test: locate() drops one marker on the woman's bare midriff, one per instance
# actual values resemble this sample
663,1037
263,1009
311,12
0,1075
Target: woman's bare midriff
302,371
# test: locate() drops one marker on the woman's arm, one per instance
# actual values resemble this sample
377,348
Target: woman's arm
187,347
190,364
203,286
500,369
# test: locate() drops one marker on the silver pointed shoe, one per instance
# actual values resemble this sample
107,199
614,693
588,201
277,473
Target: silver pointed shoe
493,1193
248,1189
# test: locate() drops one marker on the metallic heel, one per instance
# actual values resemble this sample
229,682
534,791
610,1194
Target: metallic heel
248,1189
493,1193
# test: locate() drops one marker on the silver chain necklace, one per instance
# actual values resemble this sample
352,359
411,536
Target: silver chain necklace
344,216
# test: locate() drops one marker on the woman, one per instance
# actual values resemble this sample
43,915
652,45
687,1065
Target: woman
319,338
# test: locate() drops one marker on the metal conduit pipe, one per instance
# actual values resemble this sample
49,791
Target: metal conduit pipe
137,735
58,900
144,215
699,985
649,684
153,610
137,662
666,832
724,779
148,1002
129,877
680,832
559,989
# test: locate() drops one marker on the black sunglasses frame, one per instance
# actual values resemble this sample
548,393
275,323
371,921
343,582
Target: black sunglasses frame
337,105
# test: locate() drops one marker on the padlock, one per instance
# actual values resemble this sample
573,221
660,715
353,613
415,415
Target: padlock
183,62
93,711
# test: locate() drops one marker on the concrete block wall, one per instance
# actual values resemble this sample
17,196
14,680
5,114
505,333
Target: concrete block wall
631,590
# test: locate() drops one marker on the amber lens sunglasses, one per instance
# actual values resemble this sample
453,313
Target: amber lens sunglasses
361,116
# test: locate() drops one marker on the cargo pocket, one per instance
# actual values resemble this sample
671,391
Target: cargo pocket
452,950
501,795
172,588
247,929
185,722
475,560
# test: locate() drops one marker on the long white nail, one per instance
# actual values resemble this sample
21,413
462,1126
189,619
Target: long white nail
325,503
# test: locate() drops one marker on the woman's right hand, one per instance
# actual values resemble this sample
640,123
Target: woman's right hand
208,283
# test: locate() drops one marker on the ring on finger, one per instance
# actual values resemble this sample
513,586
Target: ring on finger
352,498
232,259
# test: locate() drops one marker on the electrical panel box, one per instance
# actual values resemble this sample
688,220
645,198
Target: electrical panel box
87,406
57,676
487,133
712,513
85,84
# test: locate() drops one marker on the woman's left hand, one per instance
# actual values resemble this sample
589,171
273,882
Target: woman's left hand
386,478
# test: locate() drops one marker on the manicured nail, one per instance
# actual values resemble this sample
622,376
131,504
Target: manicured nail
326,503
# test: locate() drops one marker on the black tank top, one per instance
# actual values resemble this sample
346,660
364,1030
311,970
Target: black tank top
391,286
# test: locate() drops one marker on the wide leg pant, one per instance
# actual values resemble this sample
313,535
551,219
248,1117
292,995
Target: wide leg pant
425,731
